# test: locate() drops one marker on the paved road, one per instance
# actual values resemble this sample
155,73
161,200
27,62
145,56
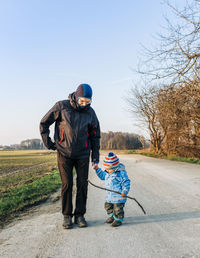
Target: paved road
170,193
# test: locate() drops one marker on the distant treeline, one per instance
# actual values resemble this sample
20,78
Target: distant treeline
30,144
110,140
122,141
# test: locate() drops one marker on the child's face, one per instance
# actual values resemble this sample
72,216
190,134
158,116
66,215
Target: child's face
109,170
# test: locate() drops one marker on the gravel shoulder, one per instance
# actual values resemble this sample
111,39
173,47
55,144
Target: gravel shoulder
169,192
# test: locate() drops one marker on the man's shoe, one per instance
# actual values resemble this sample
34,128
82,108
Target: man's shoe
110,220
116,223
67,222
80,221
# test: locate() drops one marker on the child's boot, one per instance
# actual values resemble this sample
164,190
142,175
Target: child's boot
109,220
116,223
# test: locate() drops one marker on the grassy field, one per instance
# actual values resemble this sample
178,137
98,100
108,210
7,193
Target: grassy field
26,178
15,160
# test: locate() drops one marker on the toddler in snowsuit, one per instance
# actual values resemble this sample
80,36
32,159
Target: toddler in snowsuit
116,179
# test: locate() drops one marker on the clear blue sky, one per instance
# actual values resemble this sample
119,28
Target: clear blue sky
48,48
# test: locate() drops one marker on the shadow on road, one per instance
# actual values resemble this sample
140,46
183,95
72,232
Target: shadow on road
150,218
162,217
96,223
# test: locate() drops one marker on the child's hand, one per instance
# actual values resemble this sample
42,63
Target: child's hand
95,166
123,195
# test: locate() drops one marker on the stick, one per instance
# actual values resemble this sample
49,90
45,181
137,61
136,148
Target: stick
117,193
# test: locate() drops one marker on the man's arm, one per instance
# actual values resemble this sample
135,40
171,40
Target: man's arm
51,116
95,139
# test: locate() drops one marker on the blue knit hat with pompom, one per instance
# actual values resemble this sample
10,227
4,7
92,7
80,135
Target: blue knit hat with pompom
83,91
111,161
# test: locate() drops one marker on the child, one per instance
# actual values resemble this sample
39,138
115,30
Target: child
116,179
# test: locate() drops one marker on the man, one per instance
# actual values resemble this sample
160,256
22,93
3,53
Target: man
77,133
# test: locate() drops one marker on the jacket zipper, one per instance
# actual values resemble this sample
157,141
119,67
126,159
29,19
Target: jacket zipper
94,130
86,144
62,137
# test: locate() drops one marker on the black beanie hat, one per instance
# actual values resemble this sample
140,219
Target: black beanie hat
83,91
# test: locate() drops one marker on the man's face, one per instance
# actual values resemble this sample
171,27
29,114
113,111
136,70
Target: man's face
84,101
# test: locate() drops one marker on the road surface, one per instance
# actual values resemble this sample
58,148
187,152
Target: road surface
170,194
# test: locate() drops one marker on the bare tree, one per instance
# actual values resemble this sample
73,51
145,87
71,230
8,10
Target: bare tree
142,104
171,111
178,113
172,115
177,55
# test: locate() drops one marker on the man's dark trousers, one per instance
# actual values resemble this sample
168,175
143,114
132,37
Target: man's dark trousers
65,166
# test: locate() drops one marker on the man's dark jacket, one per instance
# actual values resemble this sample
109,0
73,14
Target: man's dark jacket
77,130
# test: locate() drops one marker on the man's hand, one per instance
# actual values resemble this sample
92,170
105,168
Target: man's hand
52,146
123,195
95,166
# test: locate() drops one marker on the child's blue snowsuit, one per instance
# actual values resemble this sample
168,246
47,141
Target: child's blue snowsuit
117,181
